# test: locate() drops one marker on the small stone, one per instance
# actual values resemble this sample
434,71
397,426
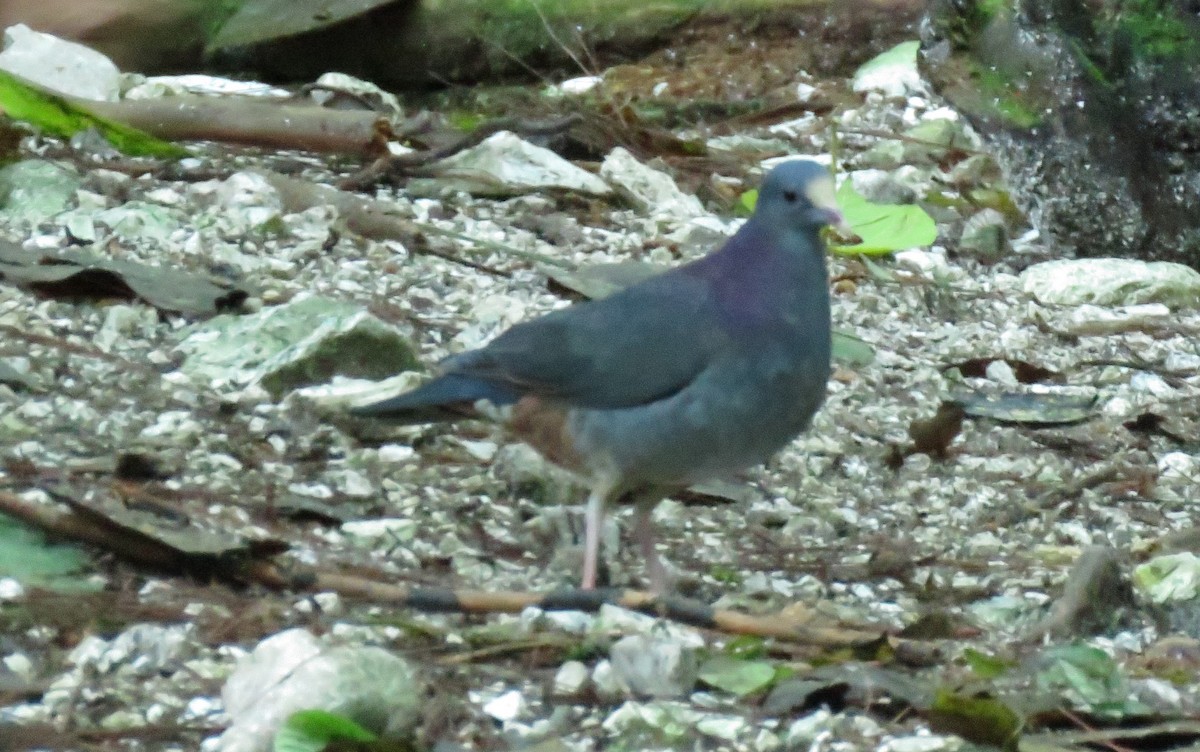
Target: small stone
570,679
605,680
654,667
507,707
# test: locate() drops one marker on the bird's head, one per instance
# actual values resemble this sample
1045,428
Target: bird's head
798,195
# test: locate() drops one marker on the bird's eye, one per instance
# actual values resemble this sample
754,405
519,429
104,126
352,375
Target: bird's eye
789,196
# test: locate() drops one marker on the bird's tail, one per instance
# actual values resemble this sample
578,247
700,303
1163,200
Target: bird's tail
448,397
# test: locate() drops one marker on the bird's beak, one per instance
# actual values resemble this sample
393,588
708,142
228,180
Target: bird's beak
821,195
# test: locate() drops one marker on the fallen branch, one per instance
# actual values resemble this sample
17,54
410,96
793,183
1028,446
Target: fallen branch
252,122
253,564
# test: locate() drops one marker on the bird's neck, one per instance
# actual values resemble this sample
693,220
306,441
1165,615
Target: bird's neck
759,273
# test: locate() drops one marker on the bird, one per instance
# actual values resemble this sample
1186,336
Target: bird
694,374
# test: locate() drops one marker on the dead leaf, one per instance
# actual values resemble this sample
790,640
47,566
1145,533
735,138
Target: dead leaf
77,274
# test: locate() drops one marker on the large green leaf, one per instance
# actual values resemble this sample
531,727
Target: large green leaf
982,720
314,730
737,676
26,557
884,228
57,115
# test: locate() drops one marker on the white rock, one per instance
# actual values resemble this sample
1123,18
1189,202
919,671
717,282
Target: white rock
507,707
1179,466
396,453
794,128
481,450
653,666
926,264
11,589
634,717
60,65
807,729
1001,372
383,101
354,483
248,199
648,189
579,85
605,681
702,234
293,671
20,665
534,619
570,679
724,727
1152,383
1112,281
154,87
504,163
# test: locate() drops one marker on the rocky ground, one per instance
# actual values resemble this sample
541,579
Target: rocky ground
974,534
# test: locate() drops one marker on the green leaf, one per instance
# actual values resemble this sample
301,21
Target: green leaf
724,574
746,647
883,227
986,666
54,114
902,55
1087,678
465,121
982,720
747,201
313,730
852,350
26,557
1173,577
737,676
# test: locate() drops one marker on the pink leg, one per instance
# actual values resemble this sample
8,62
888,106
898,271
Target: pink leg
643,533
592,520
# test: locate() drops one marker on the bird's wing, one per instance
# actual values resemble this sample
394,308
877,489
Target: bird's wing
637,346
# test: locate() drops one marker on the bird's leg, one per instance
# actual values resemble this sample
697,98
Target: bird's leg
643,533
593,518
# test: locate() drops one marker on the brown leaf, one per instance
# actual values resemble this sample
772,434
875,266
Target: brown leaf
73,274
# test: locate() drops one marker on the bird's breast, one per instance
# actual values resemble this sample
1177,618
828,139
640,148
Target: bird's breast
545,426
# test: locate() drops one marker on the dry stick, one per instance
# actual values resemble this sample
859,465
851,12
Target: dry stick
676,608
76,522
252,122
